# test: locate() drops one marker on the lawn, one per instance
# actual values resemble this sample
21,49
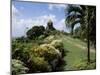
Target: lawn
76,52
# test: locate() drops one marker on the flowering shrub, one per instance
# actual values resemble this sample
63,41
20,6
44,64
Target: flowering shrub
39,64
47,51
18,67
58,45
38,55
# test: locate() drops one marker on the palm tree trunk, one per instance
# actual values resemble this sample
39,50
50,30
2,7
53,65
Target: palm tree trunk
88,45
88,41
72,30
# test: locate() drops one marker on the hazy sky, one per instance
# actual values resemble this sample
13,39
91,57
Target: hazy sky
28,14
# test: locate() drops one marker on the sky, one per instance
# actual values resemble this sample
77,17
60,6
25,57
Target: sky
28,14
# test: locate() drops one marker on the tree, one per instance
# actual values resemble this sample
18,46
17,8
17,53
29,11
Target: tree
92,23
35,32
50,25
85,15
72,16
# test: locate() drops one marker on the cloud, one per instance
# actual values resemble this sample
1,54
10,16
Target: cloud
60,25
42,20
20,25
58,6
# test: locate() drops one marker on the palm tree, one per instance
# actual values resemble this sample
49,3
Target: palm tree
83,15
73,16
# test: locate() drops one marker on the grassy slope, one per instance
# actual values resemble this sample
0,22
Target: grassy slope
76,52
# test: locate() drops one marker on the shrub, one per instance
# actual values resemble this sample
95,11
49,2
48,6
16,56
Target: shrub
21,52
39,64
47,51
18,67
58,45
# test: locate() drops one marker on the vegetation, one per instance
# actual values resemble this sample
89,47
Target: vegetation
49,50
18,67
86,16
35,32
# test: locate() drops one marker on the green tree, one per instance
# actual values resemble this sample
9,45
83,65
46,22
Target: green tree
35,32
85,15
50,25
72,16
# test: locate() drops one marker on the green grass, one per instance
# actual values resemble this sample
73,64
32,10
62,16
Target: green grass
75,53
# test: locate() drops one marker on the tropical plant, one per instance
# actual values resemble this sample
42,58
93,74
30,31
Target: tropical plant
85,16
72,16
18,67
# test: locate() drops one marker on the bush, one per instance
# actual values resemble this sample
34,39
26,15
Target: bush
20,52
39,55
18,67
58,45
47,51
39,64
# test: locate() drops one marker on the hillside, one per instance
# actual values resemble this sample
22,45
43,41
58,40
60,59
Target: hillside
76,52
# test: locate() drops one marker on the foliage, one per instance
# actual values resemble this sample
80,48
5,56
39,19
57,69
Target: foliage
51,32
18,67
58,45
50,26
92,25
47,51
42,49
35,32
50,54
46,58
20,51
85,15
72,17
77,32
38,64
